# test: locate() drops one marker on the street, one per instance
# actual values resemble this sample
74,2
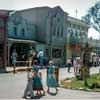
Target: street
12,86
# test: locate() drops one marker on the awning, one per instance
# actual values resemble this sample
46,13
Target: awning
22,41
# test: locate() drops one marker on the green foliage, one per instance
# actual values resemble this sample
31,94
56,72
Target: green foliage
93,16
73,83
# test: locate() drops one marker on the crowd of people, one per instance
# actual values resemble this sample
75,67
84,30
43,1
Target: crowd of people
77,63
39,56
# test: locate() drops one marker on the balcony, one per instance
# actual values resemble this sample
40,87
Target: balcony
74,40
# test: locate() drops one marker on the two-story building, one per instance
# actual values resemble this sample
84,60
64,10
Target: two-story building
51,30
21,37
77,31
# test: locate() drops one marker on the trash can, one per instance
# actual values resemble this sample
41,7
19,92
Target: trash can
56,73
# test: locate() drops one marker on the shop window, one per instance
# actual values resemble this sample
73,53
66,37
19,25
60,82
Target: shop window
56,53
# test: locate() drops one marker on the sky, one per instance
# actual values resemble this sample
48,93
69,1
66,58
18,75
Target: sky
68,6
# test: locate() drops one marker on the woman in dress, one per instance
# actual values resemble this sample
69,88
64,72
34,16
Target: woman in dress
37,82
51,79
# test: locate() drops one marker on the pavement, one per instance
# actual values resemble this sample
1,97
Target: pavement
12,85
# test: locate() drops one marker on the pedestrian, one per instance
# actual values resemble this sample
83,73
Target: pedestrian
37,80
40,57
14,59
75,65
29,86
51,79
69,64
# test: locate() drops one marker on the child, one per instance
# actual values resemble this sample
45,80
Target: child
29,86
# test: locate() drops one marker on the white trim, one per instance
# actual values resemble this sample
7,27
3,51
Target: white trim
21,41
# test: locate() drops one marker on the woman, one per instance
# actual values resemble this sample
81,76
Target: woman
51,79
37,83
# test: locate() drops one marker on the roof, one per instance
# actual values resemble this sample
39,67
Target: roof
22,41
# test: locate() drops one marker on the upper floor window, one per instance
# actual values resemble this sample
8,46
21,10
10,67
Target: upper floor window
15,30
23,32
1,22
61,32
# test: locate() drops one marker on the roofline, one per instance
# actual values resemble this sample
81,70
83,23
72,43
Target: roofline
79,20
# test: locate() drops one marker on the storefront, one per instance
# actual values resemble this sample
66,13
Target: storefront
22,48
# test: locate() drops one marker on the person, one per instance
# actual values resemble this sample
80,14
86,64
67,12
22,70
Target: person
75,65
14,59
29,86
69,64
40,57
37,82
51,79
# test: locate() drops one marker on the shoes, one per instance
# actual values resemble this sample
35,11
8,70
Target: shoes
24,97
32,97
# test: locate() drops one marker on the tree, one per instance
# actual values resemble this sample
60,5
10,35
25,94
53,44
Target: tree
93,16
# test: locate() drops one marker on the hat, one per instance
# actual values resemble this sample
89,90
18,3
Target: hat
51,62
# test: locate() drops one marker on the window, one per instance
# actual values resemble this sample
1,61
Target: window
1,22
23,32
61,32
58,33
15,30
56,53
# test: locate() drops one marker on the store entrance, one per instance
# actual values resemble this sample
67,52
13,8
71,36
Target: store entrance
22,51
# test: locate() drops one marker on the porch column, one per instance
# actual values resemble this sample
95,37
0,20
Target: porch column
9,45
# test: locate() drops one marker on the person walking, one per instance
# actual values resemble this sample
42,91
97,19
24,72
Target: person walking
14,59
29,86
69,64
40,57
37,79
51,79
75,65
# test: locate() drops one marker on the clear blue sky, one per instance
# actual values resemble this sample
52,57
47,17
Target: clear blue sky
69,6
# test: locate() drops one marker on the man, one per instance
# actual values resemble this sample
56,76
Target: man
69,64
14,59
40,57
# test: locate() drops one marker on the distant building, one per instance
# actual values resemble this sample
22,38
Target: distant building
77,32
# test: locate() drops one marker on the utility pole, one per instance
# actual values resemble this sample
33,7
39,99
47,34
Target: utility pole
76,13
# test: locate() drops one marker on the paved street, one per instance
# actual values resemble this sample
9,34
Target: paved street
12,86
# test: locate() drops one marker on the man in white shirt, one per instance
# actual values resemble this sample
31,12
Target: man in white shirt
40,57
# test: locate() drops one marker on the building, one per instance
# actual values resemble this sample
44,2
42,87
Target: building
3,38
44,28
51,31
21,37
77,35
